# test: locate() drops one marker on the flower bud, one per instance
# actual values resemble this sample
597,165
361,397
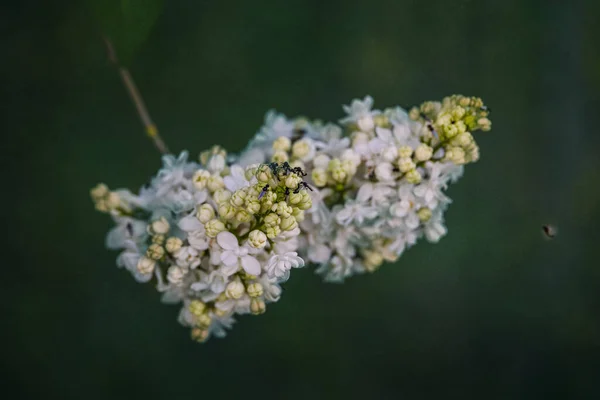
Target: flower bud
243,216
413,176
424,214
158,239
280,156
272,219
404,151
175,274
255,289
100,191
253,207
227,211
238,198
319,177
282,143
146,265
406,164
282,209
383,172
302,149
173,244
264,174
205,213
203,320
160,226
196,308
200,179
235,290
273,231
321,161
372,260
423,152
215,182
214,227
221,196
113,200
257,239
155,251
199,335
288,224
292,181
257,306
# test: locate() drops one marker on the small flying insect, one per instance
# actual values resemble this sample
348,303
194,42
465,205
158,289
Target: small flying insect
264,190
302,185
430,126
485,108
286,168
549,231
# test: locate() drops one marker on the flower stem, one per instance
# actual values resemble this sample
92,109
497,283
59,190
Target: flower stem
151,129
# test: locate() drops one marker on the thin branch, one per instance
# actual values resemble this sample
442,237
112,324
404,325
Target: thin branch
151,129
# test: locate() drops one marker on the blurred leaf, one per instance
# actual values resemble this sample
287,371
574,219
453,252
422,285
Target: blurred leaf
127,23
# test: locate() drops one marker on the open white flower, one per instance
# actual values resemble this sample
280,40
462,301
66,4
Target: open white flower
279,266
233,255
237,180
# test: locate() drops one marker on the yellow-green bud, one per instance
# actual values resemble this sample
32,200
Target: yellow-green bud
405,151
215,182
146,265
414,113
173,244
226,211
406,164
301,149
485,124
372,260
243,216
288,224
113,200
282,209
257,306
200,179
221,196
205,213
158,239
413,176
280,156
272,220
319,177
255,289
273,231
199,335
423,152
160,226
100,191
196,308
464,139
253,207
424,214
264,174
235,290
238,198
282,143
203,320
257,239
292,181
214,227
155,251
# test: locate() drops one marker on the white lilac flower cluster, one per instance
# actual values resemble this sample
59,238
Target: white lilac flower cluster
217,238
221,235
379,176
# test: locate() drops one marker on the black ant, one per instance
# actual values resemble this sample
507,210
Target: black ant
299,171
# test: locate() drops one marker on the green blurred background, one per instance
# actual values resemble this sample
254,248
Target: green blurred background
493,311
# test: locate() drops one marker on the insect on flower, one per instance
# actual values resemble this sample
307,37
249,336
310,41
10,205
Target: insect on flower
301,186
430,126
264,190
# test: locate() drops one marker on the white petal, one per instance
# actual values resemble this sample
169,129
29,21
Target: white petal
228,258
227,241
251,265
190,223
365,192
